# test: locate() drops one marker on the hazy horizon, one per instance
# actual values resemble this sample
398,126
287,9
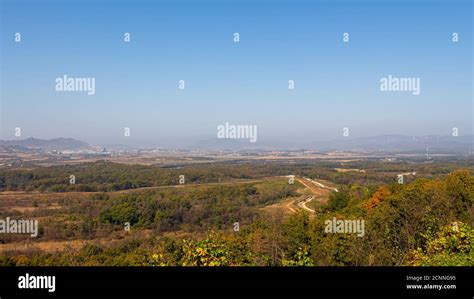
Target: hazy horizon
382,143
337,84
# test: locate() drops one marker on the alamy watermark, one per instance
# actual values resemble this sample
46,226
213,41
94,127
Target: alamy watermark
22,226
355,226
400,84
228,131
28,281
76,84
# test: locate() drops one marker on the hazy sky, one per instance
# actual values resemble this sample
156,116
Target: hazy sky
337,84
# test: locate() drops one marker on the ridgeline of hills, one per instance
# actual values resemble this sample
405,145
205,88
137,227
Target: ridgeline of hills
32,144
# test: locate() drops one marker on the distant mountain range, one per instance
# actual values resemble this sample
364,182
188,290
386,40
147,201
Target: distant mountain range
401,143
381,143
59,144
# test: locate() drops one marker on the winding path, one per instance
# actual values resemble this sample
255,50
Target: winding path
302,204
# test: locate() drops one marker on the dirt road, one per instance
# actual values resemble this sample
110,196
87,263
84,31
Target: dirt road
313,190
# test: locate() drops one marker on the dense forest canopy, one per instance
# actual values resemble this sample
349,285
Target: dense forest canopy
102,176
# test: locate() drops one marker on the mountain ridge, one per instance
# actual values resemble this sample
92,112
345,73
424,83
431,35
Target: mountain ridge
60,143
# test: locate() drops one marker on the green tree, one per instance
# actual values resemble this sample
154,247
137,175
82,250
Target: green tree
452,246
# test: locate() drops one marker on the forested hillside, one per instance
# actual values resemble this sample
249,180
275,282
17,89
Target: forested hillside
427,221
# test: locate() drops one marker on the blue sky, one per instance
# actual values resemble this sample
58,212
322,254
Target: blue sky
336,83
